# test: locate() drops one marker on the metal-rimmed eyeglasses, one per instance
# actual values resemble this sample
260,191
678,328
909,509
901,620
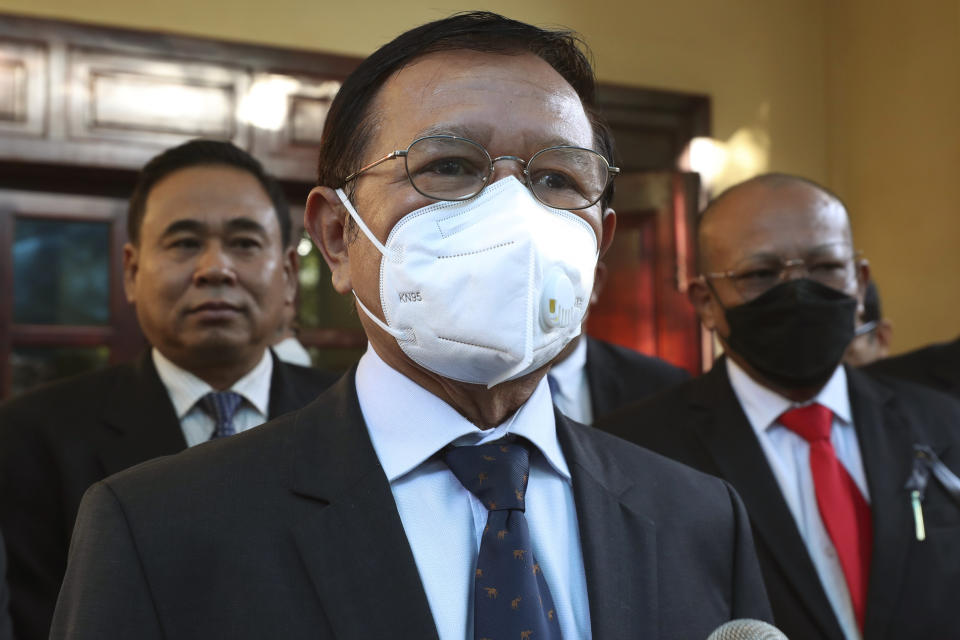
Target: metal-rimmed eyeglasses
446,167
833,265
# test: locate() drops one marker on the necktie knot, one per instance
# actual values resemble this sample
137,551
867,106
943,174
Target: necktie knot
495,473
812,422
222,406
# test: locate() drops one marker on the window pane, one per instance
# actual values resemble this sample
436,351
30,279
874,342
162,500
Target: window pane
31,366
320,306
61,272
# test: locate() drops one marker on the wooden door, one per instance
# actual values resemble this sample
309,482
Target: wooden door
643,304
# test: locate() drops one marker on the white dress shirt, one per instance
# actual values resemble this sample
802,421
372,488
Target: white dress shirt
443,521
290,350
570,387
788,455
185,389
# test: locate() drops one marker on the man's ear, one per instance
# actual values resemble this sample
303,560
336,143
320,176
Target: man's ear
863,278
291,274
608,225
884,336
131,256
701,297
325,219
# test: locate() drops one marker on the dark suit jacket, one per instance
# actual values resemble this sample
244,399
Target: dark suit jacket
936,366
6,629
58,440
619,376
913,585
291,531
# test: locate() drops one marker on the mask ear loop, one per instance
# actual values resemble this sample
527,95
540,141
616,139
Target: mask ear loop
360,223
397,334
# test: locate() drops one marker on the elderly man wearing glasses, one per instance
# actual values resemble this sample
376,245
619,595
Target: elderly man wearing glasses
433,492
846,479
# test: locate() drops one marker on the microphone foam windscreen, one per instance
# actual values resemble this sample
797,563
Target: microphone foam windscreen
747,630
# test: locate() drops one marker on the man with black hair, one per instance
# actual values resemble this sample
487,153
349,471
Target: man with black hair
433,492
208,269
846,479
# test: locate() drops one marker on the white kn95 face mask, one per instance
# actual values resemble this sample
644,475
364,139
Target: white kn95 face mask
484,290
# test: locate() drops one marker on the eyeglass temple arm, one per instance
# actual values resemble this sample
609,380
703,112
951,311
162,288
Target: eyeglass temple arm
785,266
399,153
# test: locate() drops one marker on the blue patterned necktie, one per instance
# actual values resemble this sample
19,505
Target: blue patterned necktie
511,598
221,406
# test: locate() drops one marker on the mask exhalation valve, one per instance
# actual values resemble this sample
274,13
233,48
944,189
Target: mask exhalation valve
558,303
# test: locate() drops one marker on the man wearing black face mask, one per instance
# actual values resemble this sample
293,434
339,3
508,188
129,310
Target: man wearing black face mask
820,453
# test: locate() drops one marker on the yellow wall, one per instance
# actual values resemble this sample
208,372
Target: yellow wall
760,61
893,80
860,94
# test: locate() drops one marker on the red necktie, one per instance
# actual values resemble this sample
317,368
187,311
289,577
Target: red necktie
845,512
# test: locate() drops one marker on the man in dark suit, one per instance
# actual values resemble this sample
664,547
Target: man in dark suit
360,516
820,452
936,366
207,271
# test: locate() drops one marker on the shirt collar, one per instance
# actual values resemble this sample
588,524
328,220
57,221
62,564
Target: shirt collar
763,406
408,424
571,367
185,388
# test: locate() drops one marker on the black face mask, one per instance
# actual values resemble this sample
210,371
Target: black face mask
795,334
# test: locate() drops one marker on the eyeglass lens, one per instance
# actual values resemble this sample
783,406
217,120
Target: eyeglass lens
456,169
832,266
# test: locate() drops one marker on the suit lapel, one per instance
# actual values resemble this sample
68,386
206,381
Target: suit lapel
285,394
347,527
728,437
886,447
140,419
606,387
618,542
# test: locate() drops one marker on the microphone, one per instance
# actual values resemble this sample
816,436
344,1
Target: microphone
746,629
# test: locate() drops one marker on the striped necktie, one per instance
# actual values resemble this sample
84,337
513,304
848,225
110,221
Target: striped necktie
222,407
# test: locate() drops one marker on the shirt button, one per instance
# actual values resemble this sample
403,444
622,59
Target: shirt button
829,552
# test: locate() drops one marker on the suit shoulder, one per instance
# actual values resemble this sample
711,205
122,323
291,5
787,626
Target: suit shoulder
649,468
309,376
71,398
907,392
927,407
206,467
918,364
629,358
666,407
